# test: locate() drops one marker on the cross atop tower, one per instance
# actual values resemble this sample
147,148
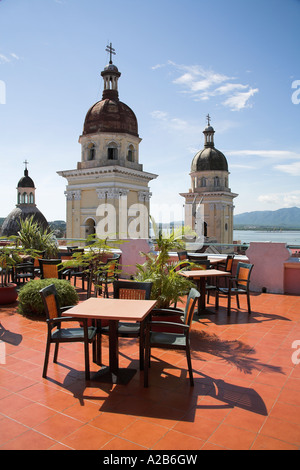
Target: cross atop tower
26,163
111,51
208,119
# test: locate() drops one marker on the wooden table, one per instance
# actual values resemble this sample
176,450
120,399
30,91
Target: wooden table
200,276
113,310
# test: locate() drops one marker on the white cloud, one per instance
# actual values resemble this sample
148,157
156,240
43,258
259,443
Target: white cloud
4,59
291,168
240,100
172,123
275,154
283,199
203,84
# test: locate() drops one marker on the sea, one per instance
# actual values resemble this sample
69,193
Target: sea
290,237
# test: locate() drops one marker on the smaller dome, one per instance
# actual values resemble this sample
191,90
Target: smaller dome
11,224
111,68
209,129
209,159
25,181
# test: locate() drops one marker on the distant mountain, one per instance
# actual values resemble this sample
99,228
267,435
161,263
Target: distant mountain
281,218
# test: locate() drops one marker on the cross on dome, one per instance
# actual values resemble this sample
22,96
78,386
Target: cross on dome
111,51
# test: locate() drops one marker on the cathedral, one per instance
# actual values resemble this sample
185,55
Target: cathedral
108,192
25,207
209,202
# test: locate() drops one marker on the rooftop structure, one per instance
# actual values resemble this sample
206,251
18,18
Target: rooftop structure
25,207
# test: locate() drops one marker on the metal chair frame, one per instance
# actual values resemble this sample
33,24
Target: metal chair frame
168,340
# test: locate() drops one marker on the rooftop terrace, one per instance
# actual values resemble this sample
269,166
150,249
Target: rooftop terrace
246,393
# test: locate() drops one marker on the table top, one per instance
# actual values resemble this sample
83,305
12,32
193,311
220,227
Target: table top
197,273
112,309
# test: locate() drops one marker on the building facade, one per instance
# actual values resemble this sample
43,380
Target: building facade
108,192
209,202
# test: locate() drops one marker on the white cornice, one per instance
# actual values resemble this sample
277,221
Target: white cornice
106,170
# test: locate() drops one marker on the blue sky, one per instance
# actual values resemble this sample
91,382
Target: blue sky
237,60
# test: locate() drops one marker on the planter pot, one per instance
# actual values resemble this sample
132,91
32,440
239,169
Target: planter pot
8,294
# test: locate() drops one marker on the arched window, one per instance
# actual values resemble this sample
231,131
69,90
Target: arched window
91,151
31,198
19,198
130,153
216,181
203,182
112,151
25,198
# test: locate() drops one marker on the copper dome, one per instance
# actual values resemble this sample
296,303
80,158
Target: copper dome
110,115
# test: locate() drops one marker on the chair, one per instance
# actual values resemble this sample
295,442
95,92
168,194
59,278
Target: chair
63,335
107,275
225,266
36,264
23,272
197,258
200,264
51,268
168,340
238,285
183,256
133,290
78,271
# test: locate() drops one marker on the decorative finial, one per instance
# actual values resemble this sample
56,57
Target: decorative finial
26,163
208,119
111,51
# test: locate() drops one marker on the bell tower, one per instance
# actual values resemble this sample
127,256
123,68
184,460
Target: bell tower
108,192
210,192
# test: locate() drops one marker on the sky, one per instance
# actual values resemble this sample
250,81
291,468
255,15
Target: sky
237,60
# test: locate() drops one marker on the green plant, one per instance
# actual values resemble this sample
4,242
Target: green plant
30,301
168,286
31,235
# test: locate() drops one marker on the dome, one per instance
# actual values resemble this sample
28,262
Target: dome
11,224
25,181
209,159
111,68
110,115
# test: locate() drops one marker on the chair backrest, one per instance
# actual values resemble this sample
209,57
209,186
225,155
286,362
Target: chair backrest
112,266
200,264
229,263
49,297
133,290
196,258
182,255
49,268
190,305
243,273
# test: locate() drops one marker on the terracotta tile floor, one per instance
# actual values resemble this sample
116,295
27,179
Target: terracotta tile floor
246,393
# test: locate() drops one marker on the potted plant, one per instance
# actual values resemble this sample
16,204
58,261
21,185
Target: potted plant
168,286
10,256
32,236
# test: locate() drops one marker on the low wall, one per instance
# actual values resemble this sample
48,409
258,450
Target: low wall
274,268
131,256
